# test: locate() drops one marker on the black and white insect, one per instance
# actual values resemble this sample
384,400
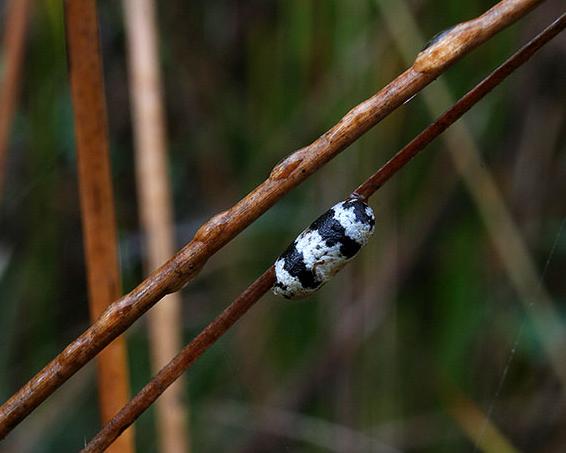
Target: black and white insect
323,249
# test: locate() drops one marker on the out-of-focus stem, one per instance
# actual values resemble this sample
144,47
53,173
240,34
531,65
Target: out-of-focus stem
97,202
154,195
470,417
13,52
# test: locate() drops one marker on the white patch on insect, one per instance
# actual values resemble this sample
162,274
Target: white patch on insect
323,249
292,284
317,255
358,231
315,250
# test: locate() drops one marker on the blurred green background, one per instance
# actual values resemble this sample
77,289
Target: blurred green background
422,344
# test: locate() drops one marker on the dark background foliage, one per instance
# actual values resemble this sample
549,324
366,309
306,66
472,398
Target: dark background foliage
440,331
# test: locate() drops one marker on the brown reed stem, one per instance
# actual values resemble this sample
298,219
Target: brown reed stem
156,212
183,360
399,160
129,413
97,203
17,14
483,189
224,227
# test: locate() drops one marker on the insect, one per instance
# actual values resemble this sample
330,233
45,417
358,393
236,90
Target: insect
323,249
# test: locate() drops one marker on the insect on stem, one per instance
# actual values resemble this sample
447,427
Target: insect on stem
223,228
131,411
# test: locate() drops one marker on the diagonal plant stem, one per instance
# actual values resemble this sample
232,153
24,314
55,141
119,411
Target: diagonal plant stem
224,227
156,211
467,413
97,202
183,360
151,391
489,201
17,16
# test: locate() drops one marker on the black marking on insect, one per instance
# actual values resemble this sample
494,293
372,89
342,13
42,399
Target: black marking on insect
324,248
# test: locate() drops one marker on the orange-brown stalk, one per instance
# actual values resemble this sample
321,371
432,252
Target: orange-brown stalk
154,195
17,13
224,227
97,204
151,391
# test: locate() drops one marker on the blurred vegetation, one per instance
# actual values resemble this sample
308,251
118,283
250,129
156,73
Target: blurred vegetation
247,82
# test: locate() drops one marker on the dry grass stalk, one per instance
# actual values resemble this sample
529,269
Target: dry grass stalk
17,13
224,227
97,204
154,195
151,391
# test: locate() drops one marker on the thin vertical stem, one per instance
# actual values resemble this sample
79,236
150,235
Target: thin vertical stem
154,195
97,204
13,52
